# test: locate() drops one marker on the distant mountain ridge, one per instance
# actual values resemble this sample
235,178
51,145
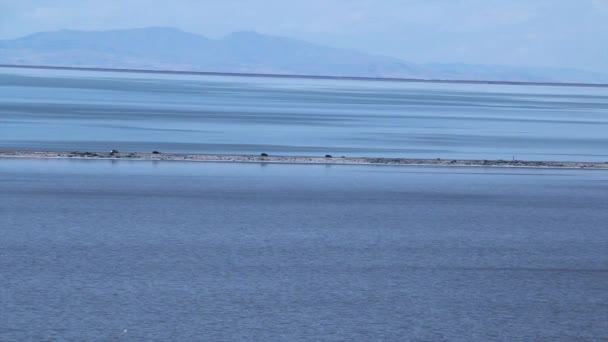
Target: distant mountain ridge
244,52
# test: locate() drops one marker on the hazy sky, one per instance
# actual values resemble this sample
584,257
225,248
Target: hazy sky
564,33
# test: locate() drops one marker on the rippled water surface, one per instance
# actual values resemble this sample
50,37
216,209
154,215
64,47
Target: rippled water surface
51,110
175,251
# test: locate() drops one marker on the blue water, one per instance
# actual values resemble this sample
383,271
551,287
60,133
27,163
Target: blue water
177,251
62,110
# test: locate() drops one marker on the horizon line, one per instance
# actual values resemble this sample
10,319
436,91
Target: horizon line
300,76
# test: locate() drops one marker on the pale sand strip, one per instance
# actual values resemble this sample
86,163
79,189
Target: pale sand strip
300,159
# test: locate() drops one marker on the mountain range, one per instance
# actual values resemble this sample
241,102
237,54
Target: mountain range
163,48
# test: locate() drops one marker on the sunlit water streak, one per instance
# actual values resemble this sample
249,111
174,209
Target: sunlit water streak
61,110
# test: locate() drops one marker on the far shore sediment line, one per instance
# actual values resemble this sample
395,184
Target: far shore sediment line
279,159
303,76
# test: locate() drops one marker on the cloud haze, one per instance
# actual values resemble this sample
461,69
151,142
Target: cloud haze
556,33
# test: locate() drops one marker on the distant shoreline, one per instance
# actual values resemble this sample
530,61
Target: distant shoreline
316,77
277,159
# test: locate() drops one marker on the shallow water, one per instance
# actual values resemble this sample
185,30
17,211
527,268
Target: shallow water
119,250
62,110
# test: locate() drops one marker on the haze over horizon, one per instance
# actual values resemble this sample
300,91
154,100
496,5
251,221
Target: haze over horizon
541,33
165,48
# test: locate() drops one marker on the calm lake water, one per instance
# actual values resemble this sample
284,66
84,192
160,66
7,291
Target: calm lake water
62,110
170,251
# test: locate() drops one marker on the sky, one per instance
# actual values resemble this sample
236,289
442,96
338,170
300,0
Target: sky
548,33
